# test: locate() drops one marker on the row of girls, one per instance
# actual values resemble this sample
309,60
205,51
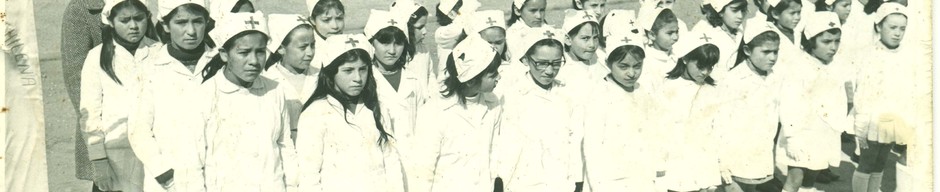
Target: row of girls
236,100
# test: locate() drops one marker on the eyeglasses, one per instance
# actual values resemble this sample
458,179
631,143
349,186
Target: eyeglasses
542,65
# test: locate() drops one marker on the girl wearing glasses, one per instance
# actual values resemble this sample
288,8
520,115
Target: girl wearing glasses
538,115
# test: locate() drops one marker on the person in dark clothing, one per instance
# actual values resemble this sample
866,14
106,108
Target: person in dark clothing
81,31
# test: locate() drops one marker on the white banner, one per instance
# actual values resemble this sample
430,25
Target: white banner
22,110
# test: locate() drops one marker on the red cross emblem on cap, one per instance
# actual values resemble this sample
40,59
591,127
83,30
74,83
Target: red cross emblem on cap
549,34
832,24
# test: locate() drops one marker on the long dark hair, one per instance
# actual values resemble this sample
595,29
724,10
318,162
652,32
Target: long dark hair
453,86
766,36
707,56
369,96
192,7
393,35
216,63
107,33
275,56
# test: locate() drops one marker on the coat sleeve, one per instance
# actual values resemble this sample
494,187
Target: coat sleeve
425,158
140,131
603,174
310,146
863,99
77,41
286,147
505,145
90,108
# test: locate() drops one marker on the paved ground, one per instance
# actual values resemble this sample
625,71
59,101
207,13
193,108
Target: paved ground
61,119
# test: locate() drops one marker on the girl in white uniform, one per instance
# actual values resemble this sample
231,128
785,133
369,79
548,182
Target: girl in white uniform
401,90
812,106
582,43
292,48
247,123
524,14
456,133
722,23
108,85
328,18
617,150
491,26
662,30
785,15
342,142
884,117
164,133
539,154
417,20
692,160
752,90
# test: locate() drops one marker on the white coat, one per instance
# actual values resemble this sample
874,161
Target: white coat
539,152
788,56
339,151
692,158
457,146
655,67
747,123
163,129
400,107
619,130
884,97
248,145
583,72
104,111
813,112
727,45
291,85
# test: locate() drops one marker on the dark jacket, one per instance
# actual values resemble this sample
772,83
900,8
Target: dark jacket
81,31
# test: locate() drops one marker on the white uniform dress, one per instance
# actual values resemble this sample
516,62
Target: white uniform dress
727,45
884,99
400,107
692,157
539,153
164,131
456,145
655,66
291,85
248,145
619,132
104,111
813,111
577,71
747,94
339,151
